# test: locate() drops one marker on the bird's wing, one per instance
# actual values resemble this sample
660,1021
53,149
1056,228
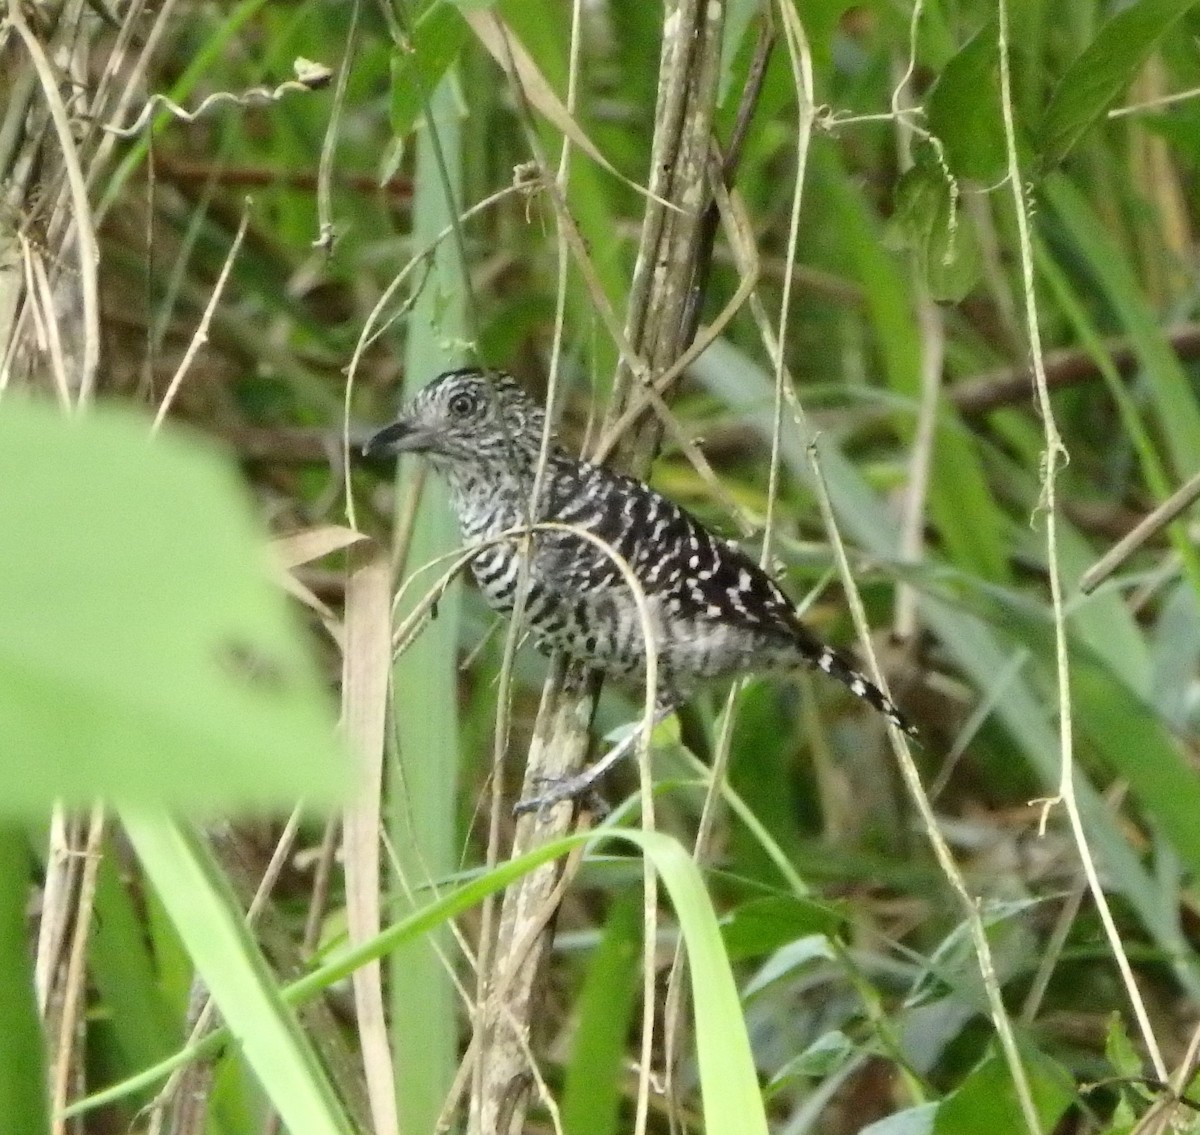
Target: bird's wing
671,553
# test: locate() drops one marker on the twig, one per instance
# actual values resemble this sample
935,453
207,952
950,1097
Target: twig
722,178
41,302
75,984
326,230
1155,103
1062,368
1179,501
200,336
649,339
187,171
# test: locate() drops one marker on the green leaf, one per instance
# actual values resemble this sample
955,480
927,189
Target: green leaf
593,1089
1119,1049
763,925
23,1086
423,825
959,492
929,220
736,39
728,1080
145,655
826,1055
912,1121
1102,72
206,914
128,984
975,647
964,108
418,67
987,1100
1134,741
1125,730
1167,385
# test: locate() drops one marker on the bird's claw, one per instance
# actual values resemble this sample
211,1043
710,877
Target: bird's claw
551,790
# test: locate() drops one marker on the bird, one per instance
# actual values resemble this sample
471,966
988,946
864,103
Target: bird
714,612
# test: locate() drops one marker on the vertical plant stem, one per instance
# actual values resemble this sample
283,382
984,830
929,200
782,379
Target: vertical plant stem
422,818
656,329
1054,456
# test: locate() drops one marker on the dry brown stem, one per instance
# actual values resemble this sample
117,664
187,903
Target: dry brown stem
656,331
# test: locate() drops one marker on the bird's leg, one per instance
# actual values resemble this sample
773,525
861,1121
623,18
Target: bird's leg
555,791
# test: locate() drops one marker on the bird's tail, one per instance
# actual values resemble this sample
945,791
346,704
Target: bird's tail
828,660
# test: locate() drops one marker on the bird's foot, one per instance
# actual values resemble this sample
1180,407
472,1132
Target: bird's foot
557,790
551,790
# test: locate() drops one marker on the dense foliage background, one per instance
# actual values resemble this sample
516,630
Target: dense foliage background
922,199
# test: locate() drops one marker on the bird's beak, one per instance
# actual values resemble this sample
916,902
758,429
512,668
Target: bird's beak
400,437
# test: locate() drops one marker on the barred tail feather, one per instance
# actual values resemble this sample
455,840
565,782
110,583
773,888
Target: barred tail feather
830,662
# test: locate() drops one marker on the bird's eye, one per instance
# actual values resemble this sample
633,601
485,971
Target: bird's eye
461,406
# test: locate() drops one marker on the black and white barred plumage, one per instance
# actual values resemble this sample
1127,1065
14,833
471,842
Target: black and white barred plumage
715,613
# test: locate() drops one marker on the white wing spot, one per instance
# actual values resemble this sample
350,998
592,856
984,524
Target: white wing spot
825,662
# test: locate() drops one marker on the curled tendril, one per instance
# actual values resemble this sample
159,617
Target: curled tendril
310,76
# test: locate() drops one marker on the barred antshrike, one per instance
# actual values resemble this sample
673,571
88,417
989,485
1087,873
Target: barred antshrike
714,612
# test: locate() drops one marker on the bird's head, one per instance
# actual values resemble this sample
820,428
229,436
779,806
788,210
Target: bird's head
470,417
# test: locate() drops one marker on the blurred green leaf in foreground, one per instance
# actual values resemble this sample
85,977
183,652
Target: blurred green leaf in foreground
145,654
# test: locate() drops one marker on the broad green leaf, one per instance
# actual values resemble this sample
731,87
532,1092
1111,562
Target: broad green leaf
821,19
124,975
975,647
964,108
145,655
912,1121
1106,67
1180,126
738,34
417,68
762,925
824,1057
1136,744
987,1101
423,825
1124,729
